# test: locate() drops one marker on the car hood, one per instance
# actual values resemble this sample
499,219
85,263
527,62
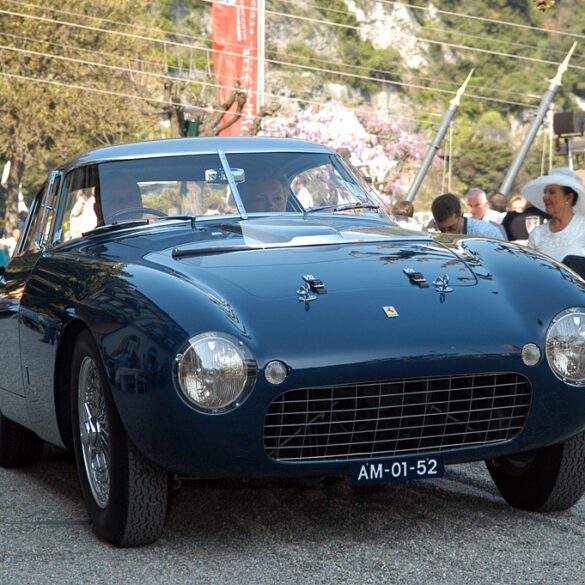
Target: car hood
269,259
369,307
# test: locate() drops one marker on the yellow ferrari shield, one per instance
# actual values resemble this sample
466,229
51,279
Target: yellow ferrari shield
390,312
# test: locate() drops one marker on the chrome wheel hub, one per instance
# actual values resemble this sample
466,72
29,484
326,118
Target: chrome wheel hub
93,431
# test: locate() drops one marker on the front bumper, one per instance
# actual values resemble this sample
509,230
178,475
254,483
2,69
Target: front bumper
168,431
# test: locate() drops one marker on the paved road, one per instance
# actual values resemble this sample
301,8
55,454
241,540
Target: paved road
454,530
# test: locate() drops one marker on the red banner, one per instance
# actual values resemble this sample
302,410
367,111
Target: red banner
234,40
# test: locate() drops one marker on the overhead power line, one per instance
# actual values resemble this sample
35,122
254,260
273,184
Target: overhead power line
144,72
330,23
466,47
165,42
77,49
340,73
485,19
87,88
341,65
132,96
155,75
495,40
453,32
399,83
497,53
401,3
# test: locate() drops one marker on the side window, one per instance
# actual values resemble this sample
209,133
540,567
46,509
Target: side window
34,222
42,216
77,213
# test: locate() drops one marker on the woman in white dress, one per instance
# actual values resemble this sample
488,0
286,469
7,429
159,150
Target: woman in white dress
561,194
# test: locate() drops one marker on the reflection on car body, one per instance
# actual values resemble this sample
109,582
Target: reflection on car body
162,315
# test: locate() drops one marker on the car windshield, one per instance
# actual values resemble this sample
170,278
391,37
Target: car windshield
238,184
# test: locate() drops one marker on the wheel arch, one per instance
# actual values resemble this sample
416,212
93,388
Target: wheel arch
63,379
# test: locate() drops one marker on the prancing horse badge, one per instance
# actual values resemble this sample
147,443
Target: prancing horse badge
390,312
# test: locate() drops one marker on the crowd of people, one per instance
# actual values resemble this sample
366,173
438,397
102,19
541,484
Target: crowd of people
549,216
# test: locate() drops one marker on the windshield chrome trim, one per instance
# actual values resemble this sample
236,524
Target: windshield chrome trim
232,183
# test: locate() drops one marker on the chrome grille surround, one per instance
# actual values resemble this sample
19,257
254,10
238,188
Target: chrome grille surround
397,417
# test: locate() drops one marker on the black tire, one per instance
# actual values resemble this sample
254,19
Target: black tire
19,447
547,480
127,496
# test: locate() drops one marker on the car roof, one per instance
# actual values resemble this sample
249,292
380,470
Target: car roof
186,146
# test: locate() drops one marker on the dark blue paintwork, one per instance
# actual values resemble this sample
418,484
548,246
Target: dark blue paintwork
142,301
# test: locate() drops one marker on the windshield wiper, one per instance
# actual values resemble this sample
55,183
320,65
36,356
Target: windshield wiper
343,207
184,217
179,253
119,225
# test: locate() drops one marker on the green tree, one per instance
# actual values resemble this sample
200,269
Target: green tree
53,102
483,164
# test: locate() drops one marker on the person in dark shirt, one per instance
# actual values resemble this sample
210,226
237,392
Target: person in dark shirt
519,225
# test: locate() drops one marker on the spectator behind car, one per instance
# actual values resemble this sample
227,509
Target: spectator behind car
403,212
448,217
561,193
403,207
478,206
303,194
497,202
517,204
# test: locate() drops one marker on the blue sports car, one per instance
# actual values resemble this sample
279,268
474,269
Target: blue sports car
243,307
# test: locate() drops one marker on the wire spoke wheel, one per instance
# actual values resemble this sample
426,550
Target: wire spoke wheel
94,432
126,494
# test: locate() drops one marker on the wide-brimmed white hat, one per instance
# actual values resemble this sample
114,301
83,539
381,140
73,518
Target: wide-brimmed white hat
533,191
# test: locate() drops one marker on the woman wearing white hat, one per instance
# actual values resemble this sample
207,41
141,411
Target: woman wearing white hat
561,194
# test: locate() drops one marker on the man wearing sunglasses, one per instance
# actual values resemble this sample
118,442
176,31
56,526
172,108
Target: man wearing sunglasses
449,219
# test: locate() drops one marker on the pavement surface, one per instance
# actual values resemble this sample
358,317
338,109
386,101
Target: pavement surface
452,530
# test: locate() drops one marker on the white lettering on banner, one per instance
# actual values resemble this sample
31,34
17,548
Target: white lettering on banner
241,23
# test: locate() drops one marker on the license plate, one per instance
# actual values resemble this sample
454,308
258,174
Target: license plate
395,470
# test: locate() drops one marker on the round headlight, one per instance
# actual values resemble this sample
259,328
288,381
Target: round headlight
565,346
215,372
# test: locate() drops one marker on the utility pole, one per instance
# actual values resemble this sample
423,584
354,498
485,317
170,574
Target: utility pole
545,103
436,144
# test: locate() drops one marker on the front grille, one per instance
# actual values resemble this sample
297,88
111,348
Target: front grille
398,417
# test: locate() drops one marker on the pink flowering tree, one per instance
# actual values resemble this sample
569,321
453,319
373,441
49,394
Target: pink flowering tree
380,147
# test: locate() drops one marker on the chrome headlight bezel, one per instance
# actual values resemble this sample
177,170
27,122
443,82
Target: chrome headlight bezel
554,338
191,354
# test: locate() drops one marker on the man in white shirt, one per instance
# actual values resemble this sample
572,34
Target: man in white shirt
303,194
478,206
